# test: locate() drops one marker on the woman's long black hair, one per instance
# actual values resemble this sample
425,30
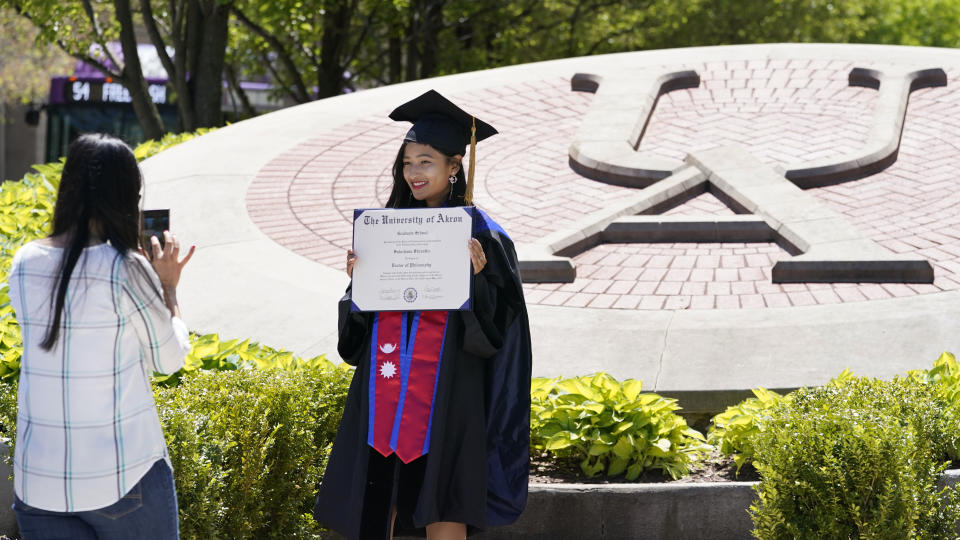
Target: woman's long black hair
100,184
402,197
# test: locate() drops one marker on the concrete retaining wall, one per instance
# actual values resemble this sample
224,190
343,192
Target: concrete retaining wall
630,511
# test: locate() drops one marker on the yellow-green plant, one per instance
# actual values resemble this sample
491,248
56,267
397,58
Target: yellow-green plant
150,148
611,427
11,343
26,210
733,430
208,352
945,375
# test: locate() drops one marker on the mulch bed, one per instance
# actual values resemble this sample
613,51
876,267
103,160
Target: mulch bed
716,468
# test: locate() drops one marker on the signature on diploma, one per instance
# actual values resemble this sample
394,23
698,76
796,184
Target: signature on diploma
389,294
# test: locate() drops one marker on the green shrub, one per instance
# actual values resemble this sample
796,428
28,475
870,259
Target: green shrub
610,427
8,417
733,430
858,458
249,448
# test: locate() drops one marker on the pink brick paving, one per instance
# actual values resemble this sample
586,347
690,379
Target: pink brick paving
785,112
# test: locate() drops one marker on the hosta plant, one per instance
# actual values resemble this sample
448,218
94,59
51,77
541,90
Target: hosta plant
733,430
208,352
611,428
944,375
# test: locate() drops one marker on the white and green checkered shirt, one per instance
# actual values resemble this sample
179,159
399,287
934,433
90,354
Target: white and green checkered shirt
87,426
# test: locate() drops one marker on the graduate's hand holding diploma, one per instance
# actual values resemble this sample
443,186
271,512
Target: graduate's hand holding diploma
351,260
477,258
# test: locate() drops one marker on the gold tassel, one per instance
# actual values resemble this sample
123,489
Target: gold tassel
468,196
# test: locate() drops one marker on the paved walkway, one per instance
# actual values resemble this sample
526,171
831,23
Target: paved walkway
269,203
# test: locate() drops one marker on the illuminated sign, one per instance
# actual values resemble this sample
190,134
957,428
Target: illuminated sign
94,91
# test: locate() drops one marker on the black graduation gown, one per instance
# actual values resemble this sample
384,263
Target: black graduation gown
477,466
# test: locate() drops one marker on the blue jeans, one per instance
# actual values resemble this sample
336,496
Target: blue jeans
148,511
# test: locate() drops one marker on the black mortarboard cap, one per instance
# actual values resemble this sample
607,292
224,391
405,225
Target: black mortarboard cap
444,126
440,123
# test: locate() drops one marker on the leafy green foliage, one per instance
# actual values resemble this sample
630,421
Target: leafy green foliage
249,448
26,210
8,417
733,430
857,458
209,353
151,148
310,49
611,428
945,375
930,23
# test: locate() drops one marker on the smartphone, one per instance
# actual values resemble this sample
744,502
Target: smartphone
154,223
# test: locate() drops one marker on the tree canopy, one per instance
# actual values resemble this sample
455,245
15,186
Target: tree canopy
311,49
25,76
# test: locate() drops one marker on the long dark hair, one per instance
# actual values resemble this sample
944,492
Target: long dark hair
101,183
402,197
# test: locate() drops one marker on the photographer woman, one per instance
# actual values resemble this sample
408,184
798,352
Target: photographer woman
97,319
462,463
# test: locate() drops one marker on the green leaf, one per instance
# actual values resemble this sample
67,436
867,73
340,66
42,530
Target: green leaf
205,347
631,389
559,441
621,427
617,466
623,448
598,449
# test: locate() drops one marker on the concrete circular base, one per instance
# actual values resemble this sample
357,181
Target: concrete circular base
249,278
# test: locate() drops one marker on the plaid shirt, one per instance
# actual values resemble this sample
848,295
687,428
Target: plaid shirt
87,426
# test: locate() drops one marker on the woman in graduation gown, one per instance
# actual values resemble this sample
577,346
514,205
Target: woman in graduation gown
455,457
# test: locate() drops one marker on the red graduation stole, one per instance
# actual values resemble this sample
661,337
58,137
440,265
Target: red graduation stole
403,381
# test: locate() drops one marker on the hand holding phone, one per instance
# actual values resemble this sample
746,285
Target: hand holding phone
154,222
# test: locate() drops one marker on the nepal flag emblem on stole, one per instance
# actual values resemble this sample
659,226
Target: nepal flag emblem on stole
403,381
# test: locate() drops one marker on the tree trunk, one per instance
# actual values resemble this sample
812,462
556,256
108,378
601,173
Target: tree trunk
207,74
395,72
413,38
336,31
431,25
143,105
245,106
190,42
175,67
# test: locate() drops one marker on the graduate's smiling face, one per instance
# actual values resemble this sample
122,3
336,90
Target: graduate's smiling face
427,172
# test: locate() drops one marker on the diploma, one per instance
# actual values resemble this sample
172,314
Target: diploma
412,259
